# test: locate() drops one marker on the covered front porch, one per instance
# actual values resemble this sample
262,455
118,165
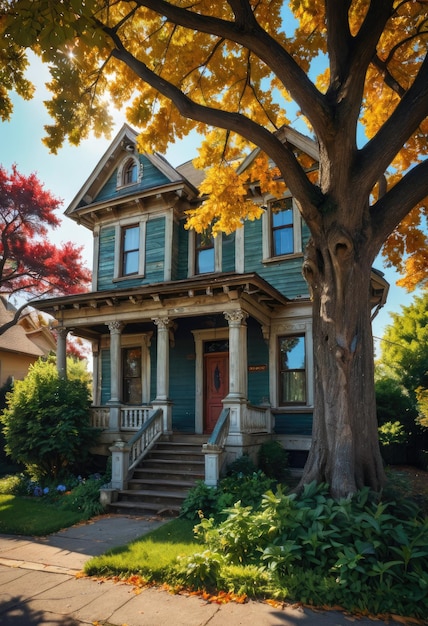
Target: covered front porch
192,340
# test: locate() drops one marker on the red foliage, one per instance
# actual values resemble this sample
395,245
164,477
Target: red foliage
29,263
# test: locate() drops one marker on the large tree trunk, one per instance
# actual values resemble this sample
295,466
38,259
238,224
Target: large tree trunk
345,447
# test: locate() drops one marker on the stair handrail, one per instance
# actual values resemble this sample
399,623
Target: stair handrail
143,440
215,447
217,439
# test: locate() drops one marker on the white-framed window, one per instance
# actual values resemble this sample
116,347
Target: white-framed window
205,253
292,384
291,359
130,242
282,229
130,172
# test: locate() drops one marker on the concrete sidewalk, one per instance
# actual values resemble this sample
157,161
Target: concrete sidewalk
38,586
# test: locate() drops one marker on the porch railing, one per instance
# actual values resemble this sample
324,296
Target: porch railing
134,417
145,438
100,417
256,419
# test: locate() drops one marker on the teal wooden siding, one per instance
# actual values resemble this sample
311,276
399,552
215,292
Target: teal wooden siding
228,253
182,382
155,251
258,365
284,275
106,258
183,246
105,377
152,178
293,423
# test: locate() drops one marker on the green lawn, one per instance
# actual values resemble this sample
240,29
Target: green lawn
150,556
30,516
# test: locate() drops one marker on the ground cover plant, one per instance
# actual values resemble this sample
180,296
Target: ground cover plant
32,508
151,557
364,554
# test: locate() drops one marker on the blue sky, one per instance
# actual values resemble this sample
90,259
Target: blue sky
63,174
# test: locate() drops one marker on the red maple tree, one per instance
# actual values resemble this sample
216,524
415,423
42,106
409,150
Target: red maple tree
30,265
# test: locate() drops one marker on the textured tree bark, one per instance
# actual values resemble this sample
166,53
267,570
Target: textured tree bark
345,450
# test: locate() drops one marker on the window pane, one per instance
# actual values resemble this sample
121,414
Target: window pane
283,241
131,239
130,262
292,366
292,353
293,385
282,218
130,174
205,261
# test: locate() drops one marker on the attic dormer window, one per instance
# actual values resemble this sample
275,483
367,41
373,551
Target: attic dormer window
130,172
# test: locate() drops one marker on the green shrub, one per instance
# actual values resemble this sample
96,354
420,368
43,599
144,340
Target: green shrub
46,422
355,552
204,501
14,484
273,460
243,465
84,498
392,432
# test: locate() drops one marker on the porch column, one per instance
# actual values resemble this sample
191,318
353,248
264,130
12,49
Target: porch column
237,353
61,351
162,370
115,329
95,373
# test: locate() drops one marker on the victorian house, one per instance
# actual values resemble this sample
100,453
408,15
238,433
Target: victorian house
199,343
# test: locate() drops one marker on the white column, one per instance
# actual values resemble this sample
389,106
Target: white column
162,365
61,351
237,353
115,329
162,372
95,373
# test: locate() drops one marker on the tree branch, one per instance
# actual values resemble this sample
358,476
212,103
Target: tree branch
378,153
393,207
249,34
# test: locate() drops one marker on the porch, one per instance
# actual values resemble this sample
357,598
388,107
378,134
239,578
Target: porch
130,433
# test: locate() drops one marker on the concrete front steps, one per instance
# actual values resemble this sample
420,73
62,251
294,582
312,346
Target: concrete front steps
161,482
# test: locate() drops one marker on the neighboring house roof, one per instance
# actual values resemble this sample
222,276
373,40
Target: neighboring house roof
15,339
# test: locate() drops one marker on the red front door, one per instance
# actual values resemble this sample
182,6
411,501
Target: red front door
216,388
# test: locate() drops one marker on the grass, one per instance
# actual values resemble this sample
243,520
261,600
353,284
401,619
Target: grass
150,556
29,516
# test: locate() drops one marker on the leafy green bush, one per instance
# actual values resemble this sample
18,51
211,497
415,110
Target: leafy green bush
46,423
354,552
14,484
84,498
273,460
243,465
392,432
213,501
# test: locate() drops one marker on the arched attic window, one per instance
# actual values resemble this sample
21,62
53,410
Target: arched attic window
130,172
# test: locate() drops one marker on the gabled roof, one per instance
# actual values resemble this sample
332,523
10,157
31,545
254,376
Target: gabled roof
125,141
15,338
287,135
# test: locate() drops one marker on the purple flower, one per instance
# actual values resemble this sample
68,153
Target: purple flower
37,491
45,490
61,488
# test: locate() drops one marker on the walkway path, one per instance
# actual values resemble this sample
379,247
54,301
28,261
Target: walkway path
38,586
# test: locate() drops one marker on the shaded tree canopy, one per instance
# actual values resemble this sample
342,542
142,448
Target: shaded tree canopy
231,69
30,265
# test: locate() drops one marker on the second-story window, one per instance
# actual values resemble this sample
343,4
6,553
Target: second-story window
205,253
130,250
282,225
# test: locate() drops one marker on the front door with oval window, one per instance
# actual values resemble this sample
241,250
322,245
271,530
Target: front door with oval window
216,388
